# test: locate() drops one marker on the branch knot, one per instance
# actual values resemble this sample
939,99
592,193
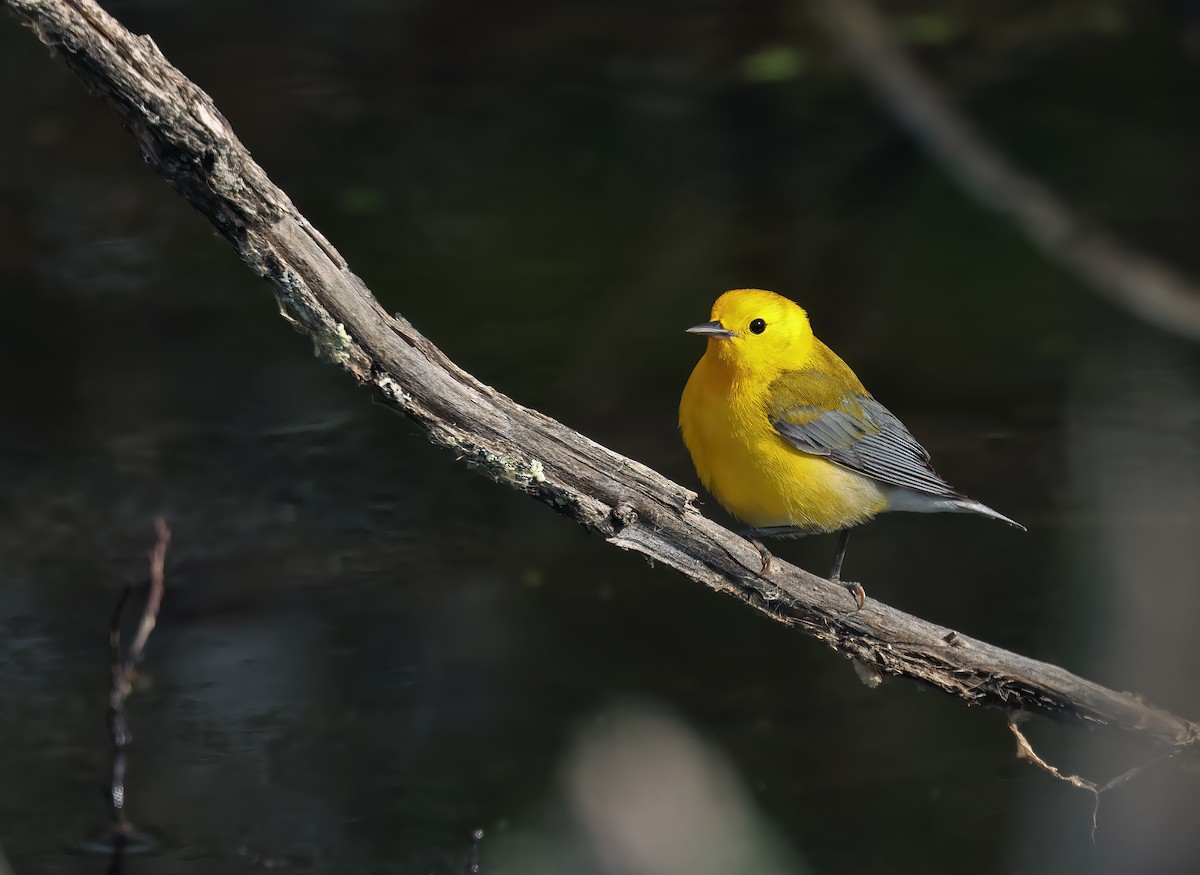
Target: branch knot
623,515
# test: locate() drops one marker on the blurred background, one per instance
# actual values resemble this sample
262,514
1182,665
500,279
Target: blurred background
367,652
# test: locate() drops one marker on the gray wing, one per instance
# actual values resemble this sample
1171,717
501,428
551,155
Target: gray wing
862,435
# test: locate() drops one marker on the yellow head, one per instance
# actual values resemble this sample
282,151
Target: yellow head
758,332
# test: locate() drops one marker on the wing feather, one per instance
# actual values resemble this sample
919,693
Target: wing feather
852,430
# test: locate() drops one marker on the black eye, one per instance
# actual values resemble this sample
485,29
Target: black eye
758,326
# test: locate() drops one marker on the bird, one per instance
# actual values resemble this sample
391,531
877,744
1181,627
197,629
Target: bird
787,439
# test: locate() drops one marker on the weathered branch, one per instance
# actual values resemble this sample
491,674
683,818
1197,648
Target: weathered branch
185,138
1132,280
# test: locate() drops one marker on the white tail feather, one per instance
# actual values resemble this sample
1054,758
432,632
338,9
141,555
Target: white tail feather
970,505
923,502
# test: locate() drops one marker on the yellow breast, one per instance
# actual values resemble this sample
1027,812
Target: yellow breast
753,472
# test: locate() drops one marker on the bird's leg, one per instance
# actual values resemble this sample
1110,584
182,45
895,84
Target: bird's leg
753,536
856,590
843,543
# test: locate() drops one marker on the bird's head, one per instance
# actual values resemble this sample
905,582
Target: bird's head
757,331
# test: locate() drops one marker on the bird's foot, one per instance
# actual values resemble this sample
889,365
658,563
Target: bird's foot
753,536
763,554
856,592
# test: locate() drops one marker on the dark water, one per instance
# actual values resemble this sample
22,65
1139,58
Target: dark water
368,652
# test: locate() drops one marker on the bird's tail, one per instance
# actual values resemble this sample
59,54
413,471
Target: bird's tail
970,505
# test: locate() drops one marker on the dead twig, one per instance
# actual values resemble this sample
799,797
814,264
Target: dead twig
1025,751
124,673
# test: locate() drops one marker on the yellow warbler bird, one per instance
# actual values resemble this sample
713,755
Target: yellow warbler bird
786,438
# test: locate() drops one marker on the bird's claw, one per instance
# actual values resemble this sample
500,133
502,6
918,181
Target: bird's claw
856,592
763,554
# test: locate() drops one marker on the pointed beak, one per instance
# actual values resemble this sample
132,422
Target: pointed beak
712,329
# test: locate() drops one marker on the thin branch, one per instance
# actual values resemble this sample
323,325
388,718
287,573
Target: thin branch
186,139
158,558
1130,279
124,673
1026,752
